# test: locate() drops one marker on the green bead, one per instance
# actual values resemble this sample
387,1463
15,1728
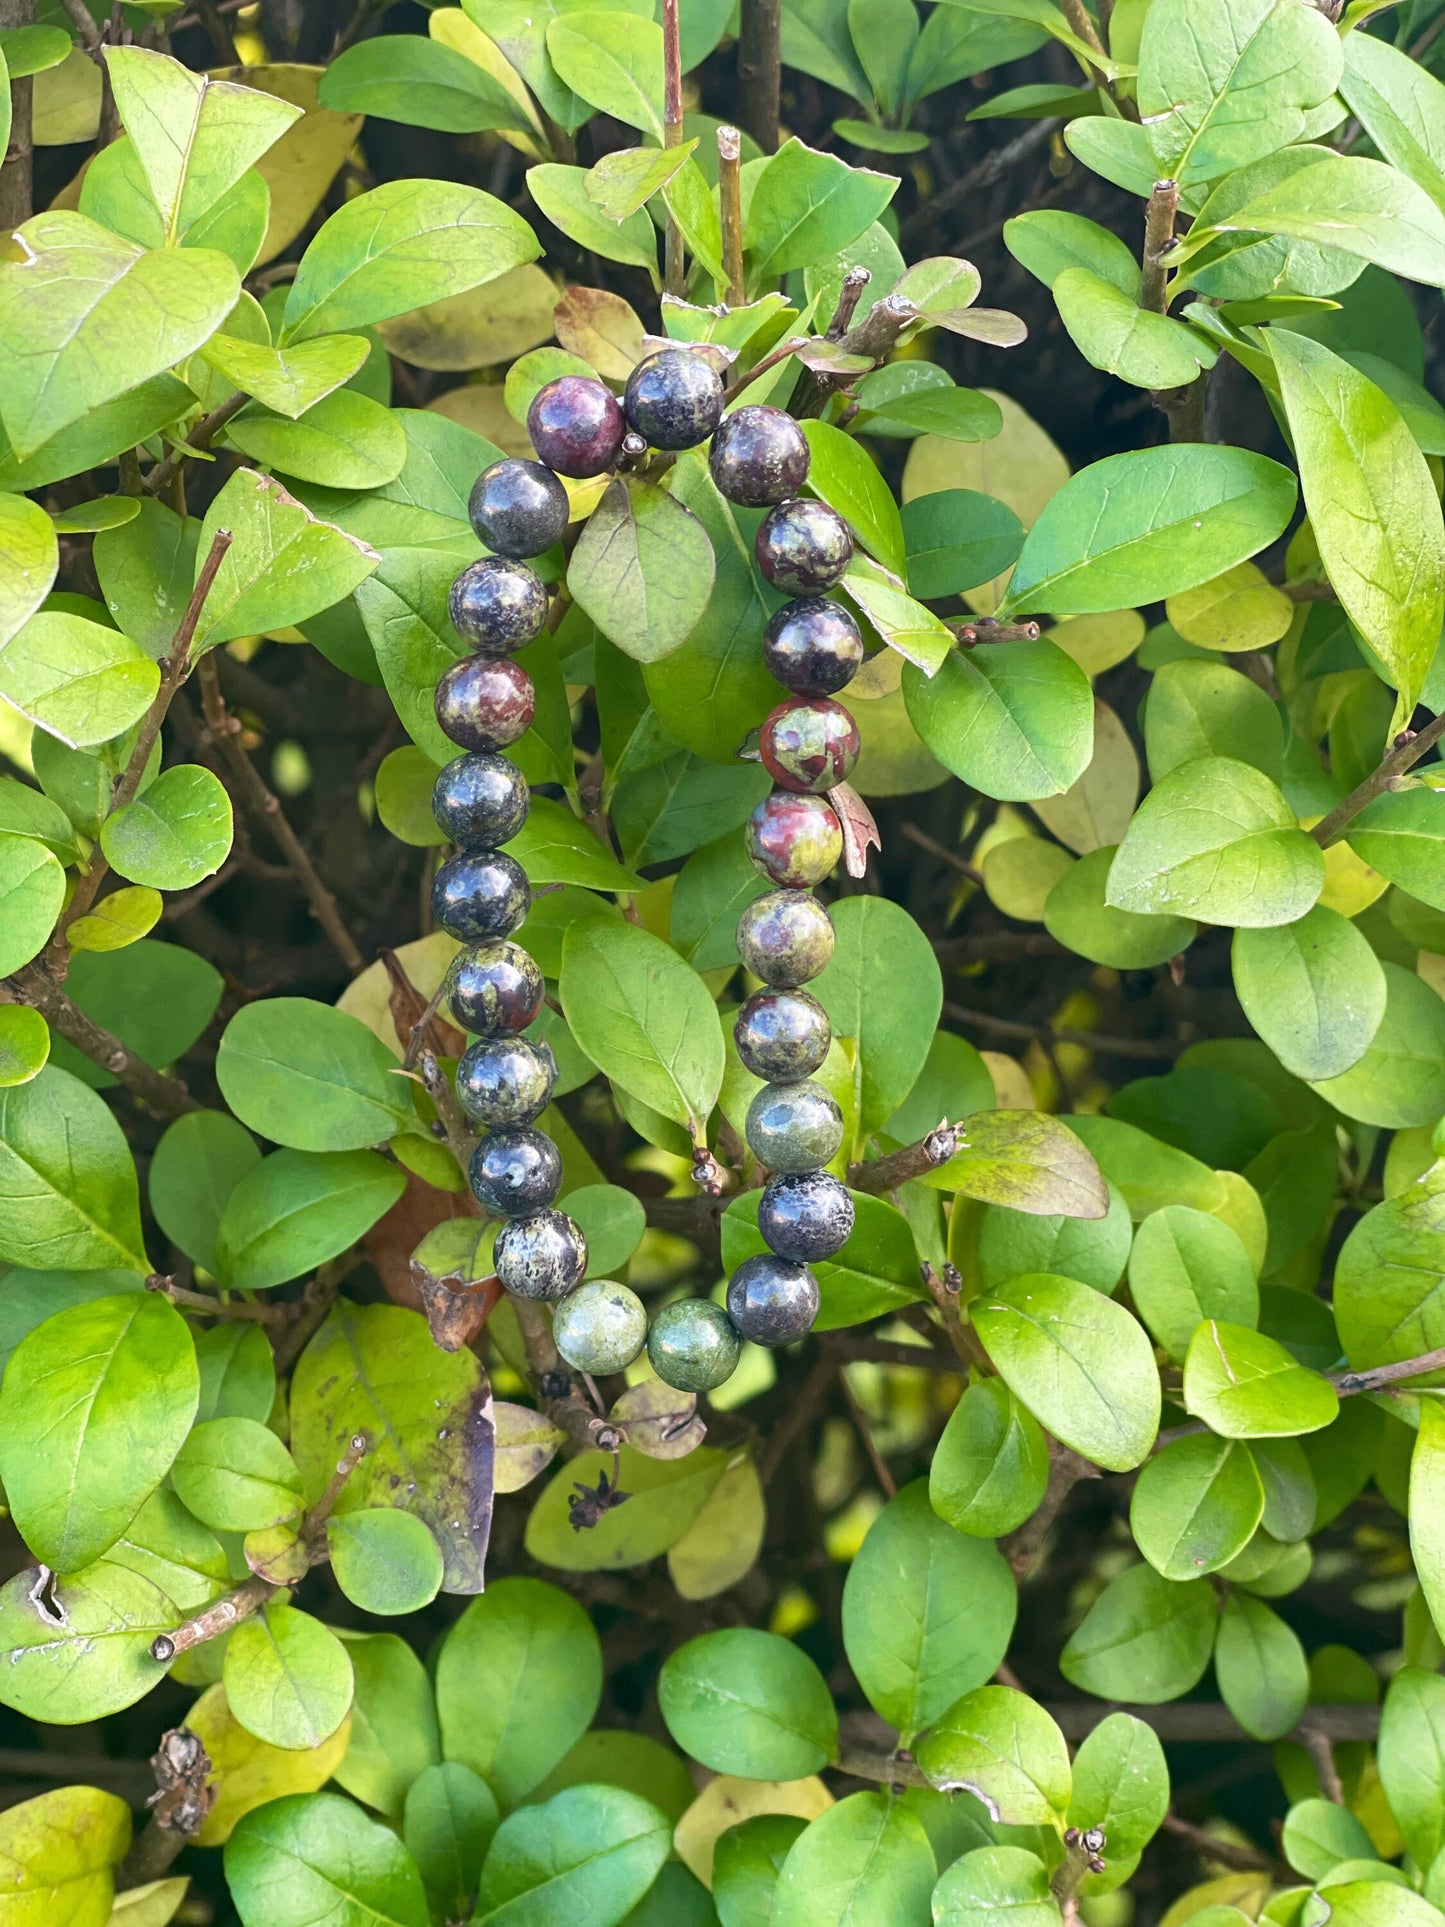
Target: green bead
794,1127
600,1327
693,1346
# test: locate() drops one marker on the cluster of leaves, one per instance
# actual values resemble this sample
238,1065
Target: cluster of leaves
208,1393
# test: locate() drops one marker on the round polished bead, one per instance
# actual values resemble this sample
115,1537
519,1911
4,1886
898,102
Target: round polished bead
813,646
518,508
785,938
480,893
806,1216
493,988
809,744
516,1171
576,425
693,1345
505,1080
480,800
674,399
759,456
600,1328
497,606
794,1127
542,1256
485,702
795,840
773,1301
782,1035
803,547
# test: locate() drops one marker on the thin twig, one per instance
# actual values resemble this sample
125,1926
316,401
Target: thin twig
760,69
992,168
1321,1749
1063,1034
201,436
1066,1470
1404,755
200,1301
164,1095
912,1161
942,852
1226,1852
1159,218
865,1434
730,204
675,268
780,353
83,22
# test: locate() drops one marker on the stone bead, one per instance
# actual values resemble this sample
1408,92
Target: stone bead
576,425
505,1080
485,702
806,1216
759,456
785,938
782,1035
480,894
693,1345
600,1328
498,606
480,800
515,1172
794,1127
803,547
673,399
813,646
795,840
809,744
493,988
773,1301
518,507
542,1256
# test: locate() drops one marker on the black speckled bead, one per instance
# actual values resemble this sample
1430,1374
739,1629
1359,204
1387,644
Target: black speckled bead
485,702
806,1216
673,398
518,508
480,800
693,1345
803,547
480,893
813,646
794,1127
493,988
759,456
541,1256
773,1301
515,1172
505,1080
497,606
782,1035
785,938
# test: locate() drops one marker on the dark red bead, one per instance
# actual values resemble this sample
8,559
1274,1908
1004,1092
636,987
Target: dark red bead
795,840
576,425
485,702
809,744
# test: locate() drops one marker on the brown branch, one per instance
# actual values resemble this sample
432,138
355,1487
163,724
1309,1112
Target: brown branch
1226,1852
1159,218
730,203
851,293
888,1351
675,267
997,946
17,164
1063,1034
865,1434
987,629
1321,1749
780,353
1377,1377
944,1288
799,1415
760,69
1066,1470
310,1310
913,1161
167,1096
83,22
1407,751
985,173
943,853
257,799
1308,591
201,436
209,16
199,1301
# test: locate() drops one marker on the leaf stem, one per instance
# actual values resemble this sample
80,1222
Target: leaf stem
1406,752
201,436
1159,218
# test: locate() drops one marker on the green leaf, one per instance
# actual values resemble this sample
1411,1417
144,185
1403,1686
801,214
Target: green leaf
864,1859
1027,1161
1016,722
315,1857
1093,1250
958,539
344,440
589,1853
420,82
747,1859
156,997
283,565
29,558
450,1819
1226,86
1198,708
644,1017
79,1648
1400,1080
1003,1747
287,1677
58,1855
1046,241
518,1681
1081,1364
626,179
1318,1834
994,1883
844,475
806,204
121,918
1121,1783
1360,207
87,316
1245,1385
1077,915
1412,1759
76,1470
1387,1300
1261,1667
32,889
643,569
175,834
77,679
1145,1639
374,1368
991,1465
67,1179
554,846
1427,1488
1400,834
561,193
1196,1505
748,1703
238,1375
1314,990
194,137
197,1164
1137,527
289,380
393,1733
927,1613
312,1077
1185,1267
920,637
674,1493
385,1561
1111,330
1398,102
236,1476
24,1044
883,988
33,50
614,61
957,414
1217,840
1372,506
296,1210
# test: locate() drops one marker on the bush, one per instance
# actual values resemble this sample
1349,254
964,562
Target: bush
718,1164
